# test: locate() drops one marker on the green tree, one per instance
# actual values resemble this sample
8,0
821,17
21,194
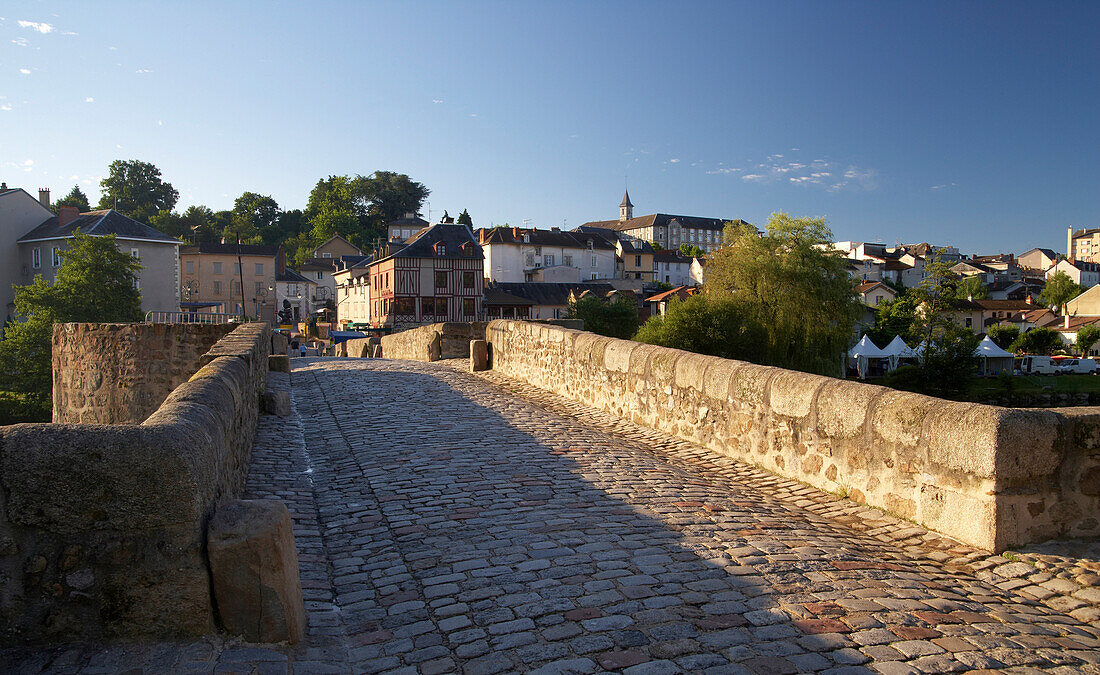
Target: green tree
391,195
894,317
359,207
618,318
1059,290
692,251
170,223
947,361
136,189
76,197
255,217
1086,338
1003,336
95,283
792,286
971,287
708,324
199,221
1041,341
464,218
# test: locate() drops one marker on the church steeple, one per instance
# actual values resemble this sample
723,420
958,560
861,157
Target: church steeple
626,209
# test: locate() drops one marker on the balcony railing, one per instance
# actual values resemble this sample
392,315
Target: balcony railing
164,316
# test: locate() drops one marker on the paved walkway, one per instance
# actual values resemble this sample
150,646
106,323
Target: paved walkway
454,523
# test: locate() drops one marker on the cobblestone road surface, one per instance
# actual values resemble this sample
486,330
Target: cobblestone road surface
454,523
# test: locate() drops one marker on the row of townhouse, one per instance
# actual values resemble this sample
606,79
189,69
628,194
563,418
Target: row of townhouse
210,277
515,272
33,240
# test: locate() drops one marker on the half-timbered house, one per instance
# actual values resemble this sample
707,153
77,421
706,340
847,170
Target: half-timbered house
436,276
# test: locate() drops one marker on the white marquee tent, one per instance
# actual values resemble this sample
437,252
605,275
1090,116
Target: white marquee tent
863,352
994,360
897,350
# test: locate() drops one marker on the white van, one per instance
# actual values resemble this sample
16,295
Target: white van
1037,365
1079,366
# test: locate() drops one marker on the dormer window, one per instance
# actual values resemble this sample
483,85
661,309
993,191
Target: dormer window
440,248
467,248
589,244
526,238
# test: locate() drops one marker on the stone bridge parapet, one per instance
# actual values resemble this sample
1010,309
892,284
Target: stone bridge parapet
102,527
986,476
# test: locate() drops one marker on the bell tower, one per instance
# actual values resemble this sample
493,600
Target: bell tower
626,209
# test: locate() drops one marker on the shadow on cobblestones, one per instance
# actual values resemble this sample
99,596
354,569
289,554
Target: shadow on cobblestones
446,525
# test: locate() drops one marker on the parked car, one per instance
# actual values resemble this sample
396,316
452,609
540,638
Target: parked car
1037,365
1079,366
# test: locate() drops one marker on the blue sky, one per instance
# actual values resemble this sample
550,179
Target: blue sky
973,124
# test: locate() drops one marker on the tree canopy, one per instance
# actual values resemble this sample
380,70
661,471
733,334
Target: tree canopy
971,287
795,290
1086,338
95,283
136,189
464,218
1059,290
618,318
1042,341
76,197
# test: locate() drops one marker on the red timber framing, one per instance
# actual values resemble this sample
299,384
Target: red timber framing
426,290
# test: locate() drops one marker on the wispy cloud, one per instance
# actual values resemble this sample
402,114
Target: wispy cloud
674,160
6,107
437,101
943,186
89,99
34,25
24,71
829,175
143,70
21,42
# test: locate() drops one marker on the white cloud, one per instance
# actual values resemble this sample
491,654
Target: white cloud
89,99
69,32
34,25
437,100
113,49
5,107
24,71
674,160
473,114
942,186
21,42
160,123
725,170
143,70
74,177
820,172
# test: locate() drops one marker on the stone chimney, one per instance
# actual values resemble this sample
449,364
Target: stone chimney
1069,244
44,197
515,233
66,215
1065,321
3,186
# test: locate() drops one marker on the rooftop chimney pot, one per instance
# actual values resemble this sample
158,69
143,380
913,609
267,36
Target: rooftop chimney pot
44,197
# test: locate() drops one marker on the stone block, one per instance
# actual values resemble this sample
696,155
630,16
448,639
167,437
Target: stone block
279,363
277,403
479,355
279,343
254,568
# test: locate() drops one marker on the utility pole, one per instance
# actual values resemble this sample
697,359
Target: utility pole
240,271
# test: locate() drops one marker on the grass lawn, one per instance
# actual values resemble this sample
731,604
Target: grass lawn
1054,384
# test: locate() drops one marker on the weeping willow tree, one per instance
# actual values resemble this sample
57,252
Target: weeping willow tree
792,286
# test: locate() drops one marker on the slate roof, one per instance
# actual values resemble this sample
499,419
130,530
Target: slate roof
98,223
537,237
550,293
318,265
498,296
290,276
422,244
215,247
636,246
671,257
662,220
